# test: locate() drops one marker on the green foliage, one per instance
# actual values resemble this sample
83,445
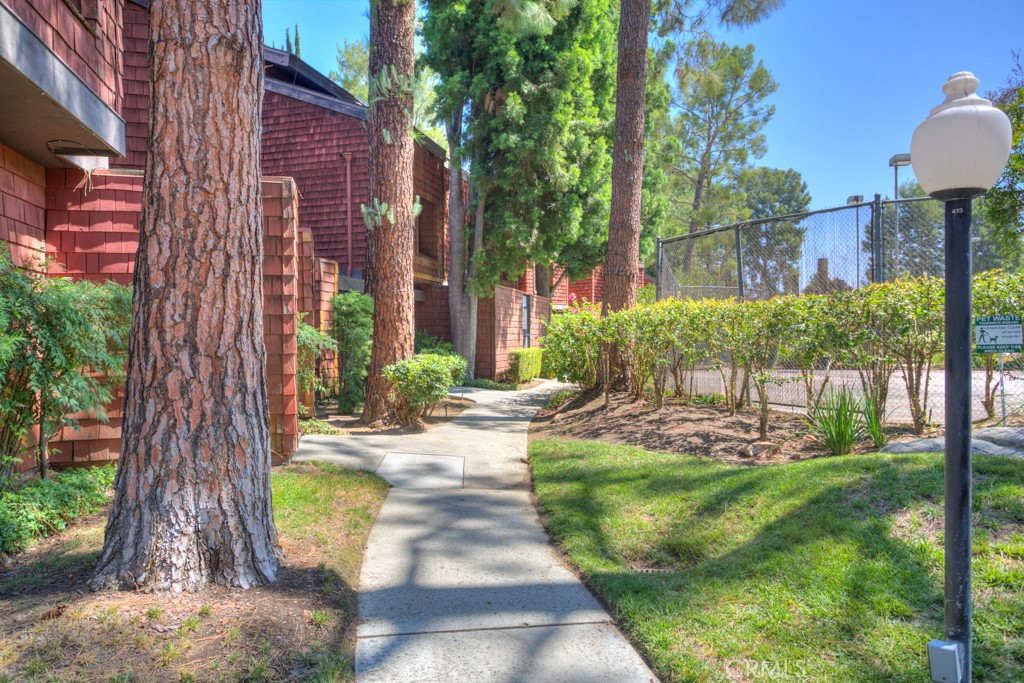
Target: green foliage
526,89
524,365
422,382
560,398
312,344
572,345
720,126
752,562
313,426
352,74
352,329
488,384
424,342
45,506
996,293
873,421
836,421
64,345
1003,205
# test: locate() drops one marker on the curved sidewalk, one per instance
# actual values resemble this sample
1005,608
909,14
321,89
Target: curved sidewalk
459,582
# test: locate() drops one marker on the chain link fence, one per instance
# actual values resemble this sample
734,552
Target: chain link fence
820,252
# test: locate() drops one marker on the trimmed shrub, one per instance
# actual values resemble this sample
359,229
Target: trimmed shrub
352,329
525,365
422,382
46,506
572,345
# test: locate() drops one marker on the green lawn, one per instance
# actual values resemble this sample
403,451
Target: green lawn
823,570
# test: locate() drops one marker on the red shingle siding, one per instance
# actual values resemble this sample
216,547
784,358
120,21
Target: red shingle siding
94,55
136,87
22,208
94,235
307,143
431,314
590,288
500,329
325,286
559,294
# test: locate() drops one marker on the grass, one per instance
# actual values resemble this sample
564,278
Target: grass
313,426
291,630
560,398
827,569
489,384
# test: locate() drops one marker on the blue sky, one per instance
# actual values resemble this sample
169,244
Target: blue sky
855,78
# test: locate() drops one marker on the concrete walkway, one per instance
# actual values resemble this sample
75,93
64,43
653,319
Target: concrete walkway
459,582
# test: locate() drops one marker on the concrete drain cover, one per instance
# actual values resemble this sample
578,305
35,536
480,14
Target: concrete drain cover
419,471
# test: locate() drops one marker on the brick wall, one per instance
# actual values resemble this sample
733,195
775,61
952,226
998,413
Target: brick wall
590,288
560,293
94,235
22,204
90,47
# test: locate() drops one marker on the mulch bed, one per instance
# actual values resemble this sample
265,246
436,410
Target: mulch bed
701,430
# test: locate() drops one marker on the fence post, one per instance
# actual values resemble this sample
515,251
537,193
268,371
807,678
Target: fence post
657,269
739,261
877,249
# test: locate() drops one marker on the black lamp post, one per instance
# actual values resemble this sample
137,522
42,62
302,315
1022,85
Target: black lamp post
958,153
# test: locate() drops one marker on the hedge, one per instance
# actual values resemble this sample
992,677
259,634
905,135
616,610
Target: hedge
525,365
894,328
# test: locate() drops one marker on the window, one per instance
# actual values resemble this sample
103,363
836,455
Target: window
426,230
526,321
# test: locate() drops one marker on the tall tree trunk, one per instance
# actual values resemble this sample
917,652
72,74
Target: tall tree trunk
389,212
461,304
542,276
192,496
698,203
621,275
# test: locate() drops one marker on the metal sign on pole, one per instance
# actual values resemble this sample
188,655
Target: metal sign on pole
999,334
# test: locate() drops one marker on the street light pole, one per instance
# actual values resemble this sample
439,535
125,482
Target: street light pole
958,152
897,160
958,426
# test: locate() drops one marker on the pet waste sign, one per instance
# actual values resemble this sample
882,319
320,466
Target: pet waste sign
998,333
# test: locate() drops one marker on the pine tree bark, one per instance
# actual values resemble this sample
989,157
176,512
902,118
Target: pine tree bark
621,275
192,496
461,304
389,212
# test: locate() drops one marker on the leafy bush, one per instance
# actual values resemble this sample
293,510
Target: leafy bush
352,329
560,398
422,382
313,426
424,342
572,344
525,365
836,421
45,506
312,344
63,346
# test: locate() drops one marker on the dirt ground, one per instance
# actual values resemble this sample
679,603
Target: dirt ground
349,423
701,430
53,629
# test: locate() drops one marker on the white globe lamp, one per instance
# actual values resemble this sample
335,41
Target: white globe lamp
958,153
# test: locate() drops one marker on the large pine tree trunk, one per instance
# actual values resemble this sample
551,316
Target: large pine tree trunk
621,276
192,500
390,233
461,305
